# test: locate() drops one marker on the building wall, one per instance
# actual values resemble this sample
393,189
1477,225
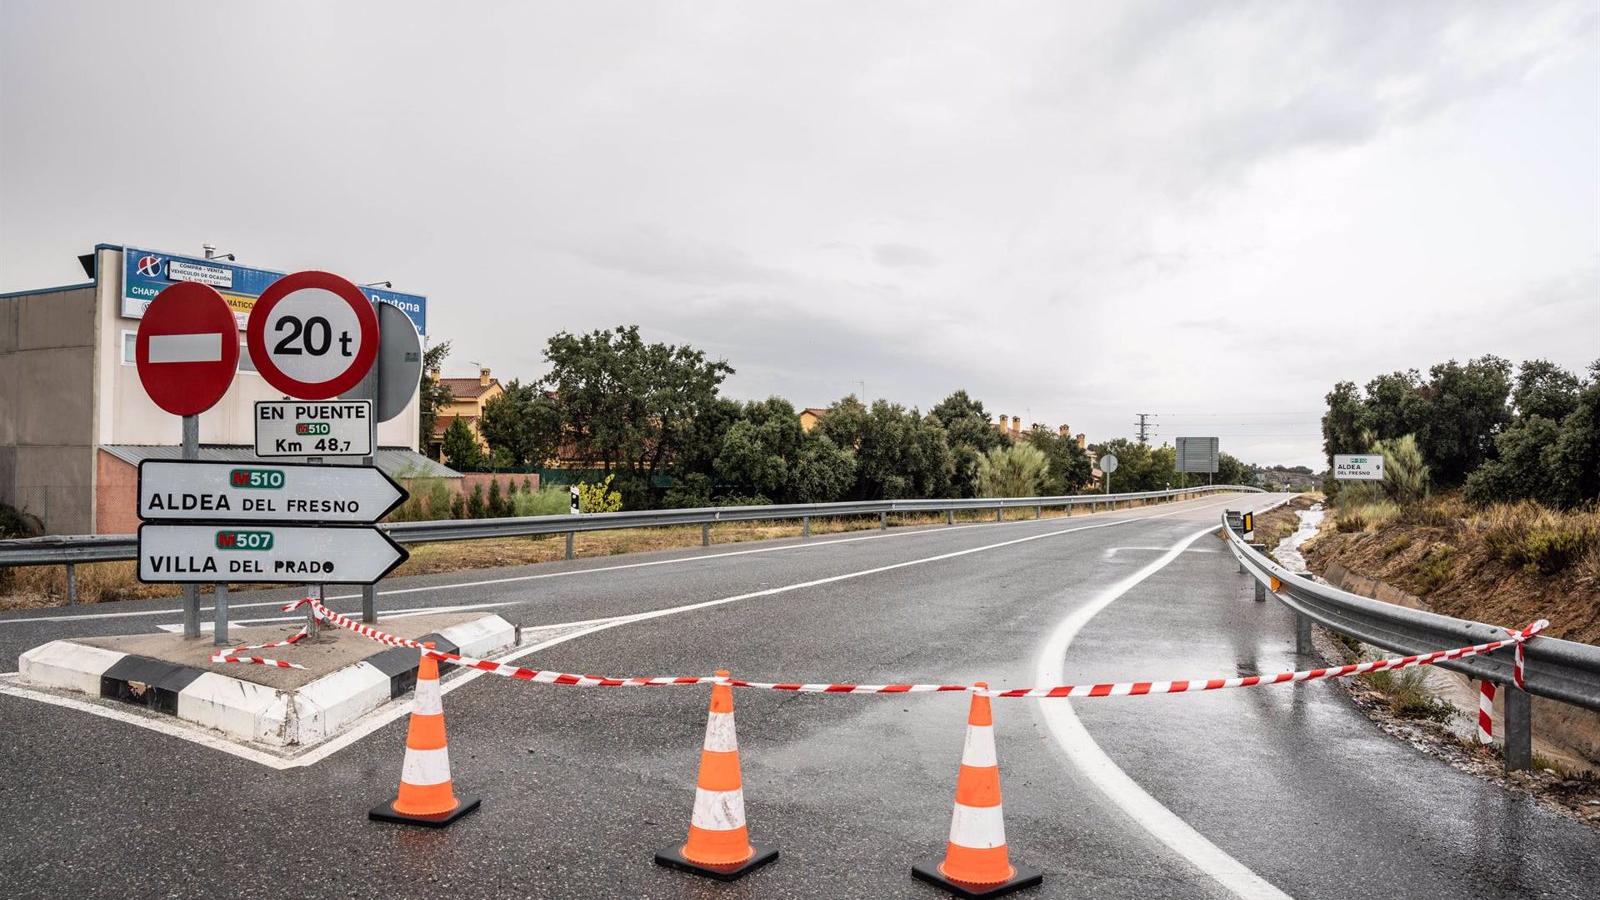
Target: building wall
126,414
47,398
116,495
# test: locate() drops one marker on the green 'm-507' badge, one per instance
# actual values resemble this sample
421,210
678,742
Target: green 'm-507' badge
244,540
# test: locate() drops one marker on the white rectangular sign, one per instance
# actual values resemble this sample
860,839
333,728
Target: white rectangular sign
313,428
280,554
174,490
216,276
1350,467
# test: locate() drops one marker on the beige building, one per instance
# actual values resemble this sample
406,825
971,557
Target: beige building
467,399
75,420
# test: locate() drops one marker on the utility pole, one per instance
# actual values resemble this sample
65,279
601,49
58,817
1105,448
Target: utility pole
1145,426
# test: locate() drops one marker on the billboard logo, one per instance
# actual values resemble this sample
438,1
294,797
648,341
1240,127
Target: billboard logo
150,266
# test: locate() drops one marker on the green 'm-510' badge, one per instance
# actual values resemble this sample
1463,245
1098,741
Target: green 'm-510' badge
256,478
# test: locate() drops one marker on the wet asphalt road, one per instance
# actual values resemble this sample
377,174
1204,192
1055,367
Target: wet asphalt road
580,787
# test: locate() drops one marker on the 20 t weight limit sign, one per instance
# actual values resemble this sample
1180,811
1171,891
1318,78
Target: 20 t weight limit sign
312,335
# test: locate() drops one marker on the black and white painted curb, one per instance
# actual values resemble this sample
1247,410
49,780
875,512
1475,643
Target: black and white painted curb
244,710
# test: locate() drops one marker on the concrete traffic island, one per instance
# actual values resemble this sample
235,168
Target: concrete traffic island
285,711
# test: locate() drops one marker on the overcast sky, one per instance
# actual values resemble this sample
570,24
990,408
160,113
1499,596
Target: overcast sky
1076,211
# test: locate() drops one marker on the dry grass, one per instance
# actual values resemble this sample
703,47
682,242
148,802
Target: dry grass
1369,516
1541,540
43,586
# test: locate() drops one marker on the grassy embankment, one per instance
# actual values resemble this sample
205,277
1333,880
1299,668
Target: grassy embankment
1507,563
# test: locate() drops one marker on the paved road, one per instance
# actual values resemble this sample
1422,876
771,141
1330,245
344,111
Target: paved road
1277,789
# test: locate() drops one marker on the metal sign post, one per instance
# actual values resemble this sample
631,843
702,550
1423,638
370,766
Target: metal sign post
191,594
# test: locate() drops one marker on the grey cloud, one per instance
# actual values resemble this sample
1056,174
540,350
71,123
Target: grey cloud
903,256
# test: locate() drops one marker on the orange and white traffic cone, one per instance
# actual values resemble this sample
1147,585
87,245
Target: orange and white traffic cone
976,863
426,797
719,842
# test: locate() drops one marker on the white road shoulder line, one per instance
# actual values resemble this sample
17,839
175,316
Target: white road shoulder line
1162,823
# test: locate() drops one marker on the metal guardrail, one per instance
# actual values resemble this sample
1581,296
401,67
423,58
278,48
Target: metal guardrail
1561,670
60,550
1565,671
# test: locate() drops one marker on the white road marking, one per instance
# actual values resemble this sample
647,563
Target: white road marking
205,626
1162,823
1111,552
378,718
567,573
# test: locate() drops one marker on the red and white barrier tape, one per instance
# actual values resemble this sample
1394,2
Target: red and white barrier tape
232,656
1485,712
1107,689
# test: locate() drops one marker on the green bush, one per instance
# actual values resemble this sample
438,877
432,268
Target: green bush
1434,568
543,502
1013,471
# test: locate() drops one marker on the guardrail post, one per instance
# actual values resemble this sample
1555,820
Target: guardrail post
1302,634
705,535
883,520
999,513
1261,591
1038,512
72,585
805,526
949,517
570,536
1519,729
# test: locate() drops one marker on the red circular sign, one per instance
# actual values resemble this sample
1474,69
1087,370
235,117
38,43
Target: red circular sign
312,335
187,349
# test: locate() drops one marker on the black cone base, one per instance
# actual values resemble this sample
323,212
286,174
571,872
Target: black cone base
1025,878
673,858
384,812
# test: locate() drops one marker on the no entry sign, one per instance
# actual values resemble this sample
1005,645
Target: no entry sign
187,349
312,335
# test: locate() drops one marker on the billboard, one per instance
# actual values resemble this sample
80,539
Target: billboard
146,272
1197,454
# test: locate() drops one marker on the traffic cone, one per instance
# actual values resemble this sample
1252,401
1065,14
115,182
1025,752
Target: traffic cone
719,843
976,864
426,797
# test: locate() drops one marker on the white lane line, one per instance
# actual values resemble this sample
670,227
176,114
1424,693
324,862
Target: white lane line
206,626
381,717
1162,823
913,532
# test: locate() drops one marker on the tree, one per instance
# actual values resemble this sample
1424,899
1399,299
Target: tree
898,453
1344,424
1067,466
623,402
1405,475
460,446
970,434
1459,412
1140,467
1013,471
431,395
597,498
1545,389
1391,406
524,423
759,450
1230,470
823,472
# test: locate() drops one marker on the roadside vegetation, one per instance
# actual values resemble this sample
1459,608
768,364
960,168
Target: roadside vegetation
1490,504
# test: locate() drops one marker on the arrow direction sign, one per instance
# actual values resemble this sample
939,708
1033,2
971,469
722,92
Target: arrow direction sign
265,492
278,554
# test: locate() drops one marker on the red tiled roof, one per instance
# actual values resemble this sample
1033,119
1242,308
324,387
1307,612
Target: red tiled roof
467,388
